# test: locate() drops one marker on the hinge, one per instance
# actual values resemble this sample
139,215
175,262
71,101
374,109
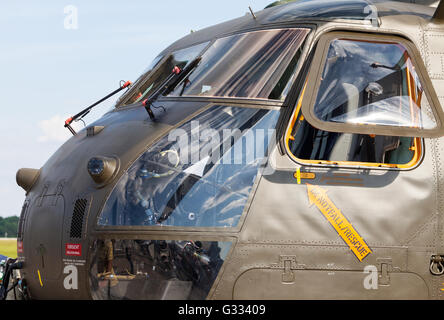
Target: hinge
288,263
437,265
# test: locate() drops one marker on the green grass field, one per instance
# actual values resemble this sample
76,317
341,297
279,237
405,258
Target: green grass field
8,247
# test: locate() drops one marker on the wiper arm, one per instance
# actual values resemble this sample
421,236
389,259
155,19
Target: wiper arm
84,112
169,84
375,65
185,72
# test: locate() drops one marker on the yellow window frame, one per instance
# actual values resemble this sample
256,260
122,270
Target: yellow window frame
417,145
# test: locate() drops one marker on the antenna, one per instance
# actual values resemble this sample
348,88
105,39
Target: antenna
252,13
83,113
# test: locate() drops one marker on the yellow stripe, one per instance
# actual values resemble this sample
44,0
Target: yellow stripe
304,175
40,278
298,175
343,227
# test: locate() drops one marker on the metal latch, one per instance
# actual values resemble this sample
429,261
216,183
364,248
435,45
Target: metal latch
385,265
288,263
436,265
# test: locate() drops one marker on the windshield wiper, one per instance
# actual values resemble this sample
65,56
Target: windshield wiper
169,84
84,112
375,65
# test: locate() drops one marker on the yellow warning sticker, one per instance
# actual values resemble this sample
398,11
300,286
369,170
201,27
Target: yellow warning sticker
318,196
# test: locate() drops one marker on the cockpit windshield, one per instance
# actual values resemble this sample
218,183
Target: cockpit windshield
199,175
258,64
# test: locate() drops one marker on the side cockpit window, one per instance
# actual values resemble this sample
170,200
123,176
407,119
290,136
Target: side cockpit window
371,83
315,146
366,101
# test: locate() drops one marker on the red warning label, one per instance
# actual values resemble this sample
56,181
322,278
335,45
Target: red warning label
19,246
73,249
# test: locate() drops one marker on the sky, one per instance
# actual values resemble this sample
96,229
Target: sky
58,57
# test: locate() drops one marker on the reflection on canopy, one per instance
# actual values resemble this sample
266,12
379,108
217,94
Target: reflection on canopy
341,9
387,112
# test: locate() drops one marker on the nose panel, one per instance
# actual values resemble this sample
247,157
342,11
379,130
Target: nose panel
44,249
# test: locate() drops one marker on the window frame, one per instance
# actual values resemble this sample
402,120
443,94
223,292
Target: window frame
413,163
314,79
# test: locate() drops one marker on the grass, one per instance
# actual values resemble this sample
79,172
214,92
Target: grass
8,247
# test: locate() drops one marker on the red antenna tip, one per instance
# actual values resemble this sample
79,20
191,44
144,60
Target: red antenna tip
126,84
68,121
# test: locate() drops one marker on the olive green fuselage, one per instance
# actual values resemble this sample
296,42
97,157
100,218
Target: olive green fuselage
284,246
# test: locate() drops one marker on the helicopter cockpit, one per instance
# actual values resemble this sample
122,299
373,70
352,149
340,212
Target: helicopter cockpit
199,175
314,90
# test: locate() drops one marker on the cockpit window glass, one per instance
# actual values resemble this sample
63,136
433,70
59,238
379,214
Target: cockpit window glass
324,9
199,175
371,84
155,269
259,64
256,64
313,146
159,70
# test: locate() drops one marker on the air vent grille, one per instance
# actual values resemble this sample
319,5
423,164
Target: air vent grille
77,218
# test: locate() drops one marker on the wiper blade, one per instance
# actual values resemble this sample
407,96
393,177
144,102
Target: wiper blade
169,84
184,73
